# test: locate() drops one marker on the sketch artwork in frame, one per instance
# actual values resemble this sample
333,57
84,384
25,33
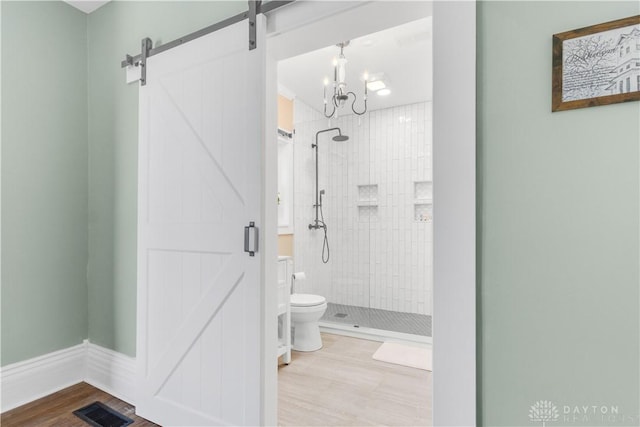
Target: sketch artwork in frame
597,65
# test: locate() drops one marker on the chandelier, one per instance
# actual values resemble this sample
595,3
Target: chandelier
340,93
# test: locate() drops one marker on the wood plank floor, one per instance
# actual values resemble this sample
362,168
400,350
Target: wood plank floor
341,385
57,409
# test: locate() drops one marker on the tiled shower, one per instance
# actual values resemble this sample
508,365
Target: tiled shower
378,208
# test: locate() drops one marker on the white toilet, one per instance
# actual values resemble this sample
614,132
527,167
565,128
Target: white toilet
306,311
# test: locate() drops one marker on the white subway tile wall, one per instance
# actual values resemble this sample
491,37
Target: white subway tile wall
376,183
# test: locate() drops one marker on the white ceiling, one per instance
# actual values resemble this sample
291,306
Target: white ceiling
403,54
87,6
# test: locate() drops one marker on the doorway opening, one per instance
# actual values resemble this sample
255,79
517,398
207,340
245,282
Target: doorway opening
355,215
358,211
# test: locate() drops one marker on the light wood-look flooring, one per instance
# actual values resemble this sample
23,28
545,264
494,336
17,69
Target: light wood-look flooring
341,385
57,409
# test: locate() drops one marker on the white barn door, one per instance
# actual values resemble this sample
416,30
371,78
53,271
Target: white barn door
199,331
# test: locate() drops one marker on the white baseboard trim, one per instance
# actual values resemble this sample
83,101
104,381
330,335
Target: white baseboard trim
26,381
29,380
112,372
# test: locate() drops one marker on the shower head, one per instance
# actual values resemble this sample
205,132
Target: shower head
340,137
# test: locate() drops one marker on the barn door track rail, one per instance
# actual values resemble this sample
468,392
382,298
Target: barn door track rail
255,7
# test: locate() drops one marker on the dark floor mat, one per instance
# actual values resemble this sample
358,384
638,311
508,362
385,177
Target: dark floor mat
100,415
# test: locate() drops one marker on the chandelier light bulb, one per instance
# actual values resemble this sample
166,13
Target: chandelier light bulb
342,69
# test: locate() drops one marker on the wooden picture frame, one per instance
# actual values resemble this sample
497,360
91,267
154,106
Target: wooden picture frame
596,65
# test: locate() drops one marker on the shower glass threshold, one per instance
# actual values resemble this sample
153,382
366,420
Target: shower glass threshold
374,321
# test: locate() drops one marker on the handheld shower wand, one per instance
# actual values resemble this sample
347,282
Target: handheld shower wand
325,242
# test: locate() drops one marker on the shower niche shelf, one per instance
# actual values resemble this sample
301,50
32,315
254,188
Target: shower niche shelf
368,213
423,212
368,194
367,202
423,201
423,190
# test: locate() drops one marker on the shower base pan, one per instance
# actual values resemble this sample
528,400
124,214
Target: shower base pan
374,323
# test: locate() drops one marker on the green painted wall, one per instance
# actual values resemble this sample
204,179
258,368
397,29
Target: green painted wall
44,178
558,221
115,30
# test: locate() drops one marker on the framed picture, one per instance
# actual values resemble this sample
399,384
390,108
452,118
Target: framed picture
596,65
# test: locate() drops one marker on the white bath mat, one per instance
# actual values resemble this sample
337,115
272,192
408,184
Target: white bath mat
405,355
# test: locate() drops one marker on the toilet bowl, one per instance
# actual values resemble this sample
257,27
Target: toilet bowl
306,311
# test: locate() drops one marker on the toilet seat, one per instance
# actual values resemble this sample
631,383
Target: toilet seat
306,300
